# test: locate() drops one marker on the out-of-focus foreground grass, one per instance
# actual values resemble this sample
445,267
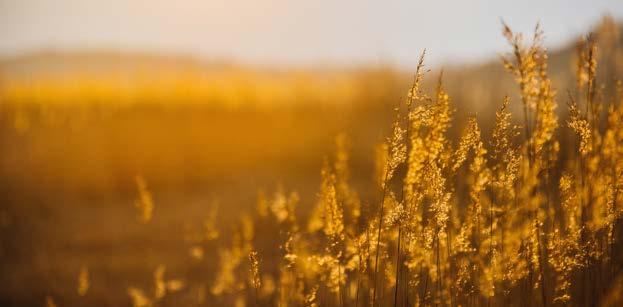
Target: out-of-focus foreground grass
76,133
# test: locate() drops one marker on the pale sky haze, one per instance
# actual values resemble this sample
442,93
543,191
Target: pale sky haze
293,32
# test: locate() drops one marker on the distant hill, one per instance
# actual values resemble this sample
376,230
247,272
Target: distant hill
122,78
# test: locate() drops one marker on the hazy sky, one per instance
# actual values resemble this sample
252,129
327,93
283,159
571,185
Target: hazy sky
293,31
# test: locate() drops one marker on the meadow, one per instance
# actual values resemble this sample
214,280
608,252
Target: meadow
165,181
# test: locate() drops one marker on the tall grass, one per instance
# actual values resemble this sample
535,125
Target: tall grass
482,220
507,218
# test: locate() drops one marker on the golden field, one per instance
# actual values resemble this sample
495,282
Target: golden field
143,180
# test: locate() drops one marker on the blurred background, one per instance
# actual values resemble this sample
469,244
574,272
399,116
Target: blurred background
209,104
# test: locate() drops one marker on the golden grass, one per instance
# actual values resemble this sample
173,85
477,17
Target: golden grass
498,220
528,213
